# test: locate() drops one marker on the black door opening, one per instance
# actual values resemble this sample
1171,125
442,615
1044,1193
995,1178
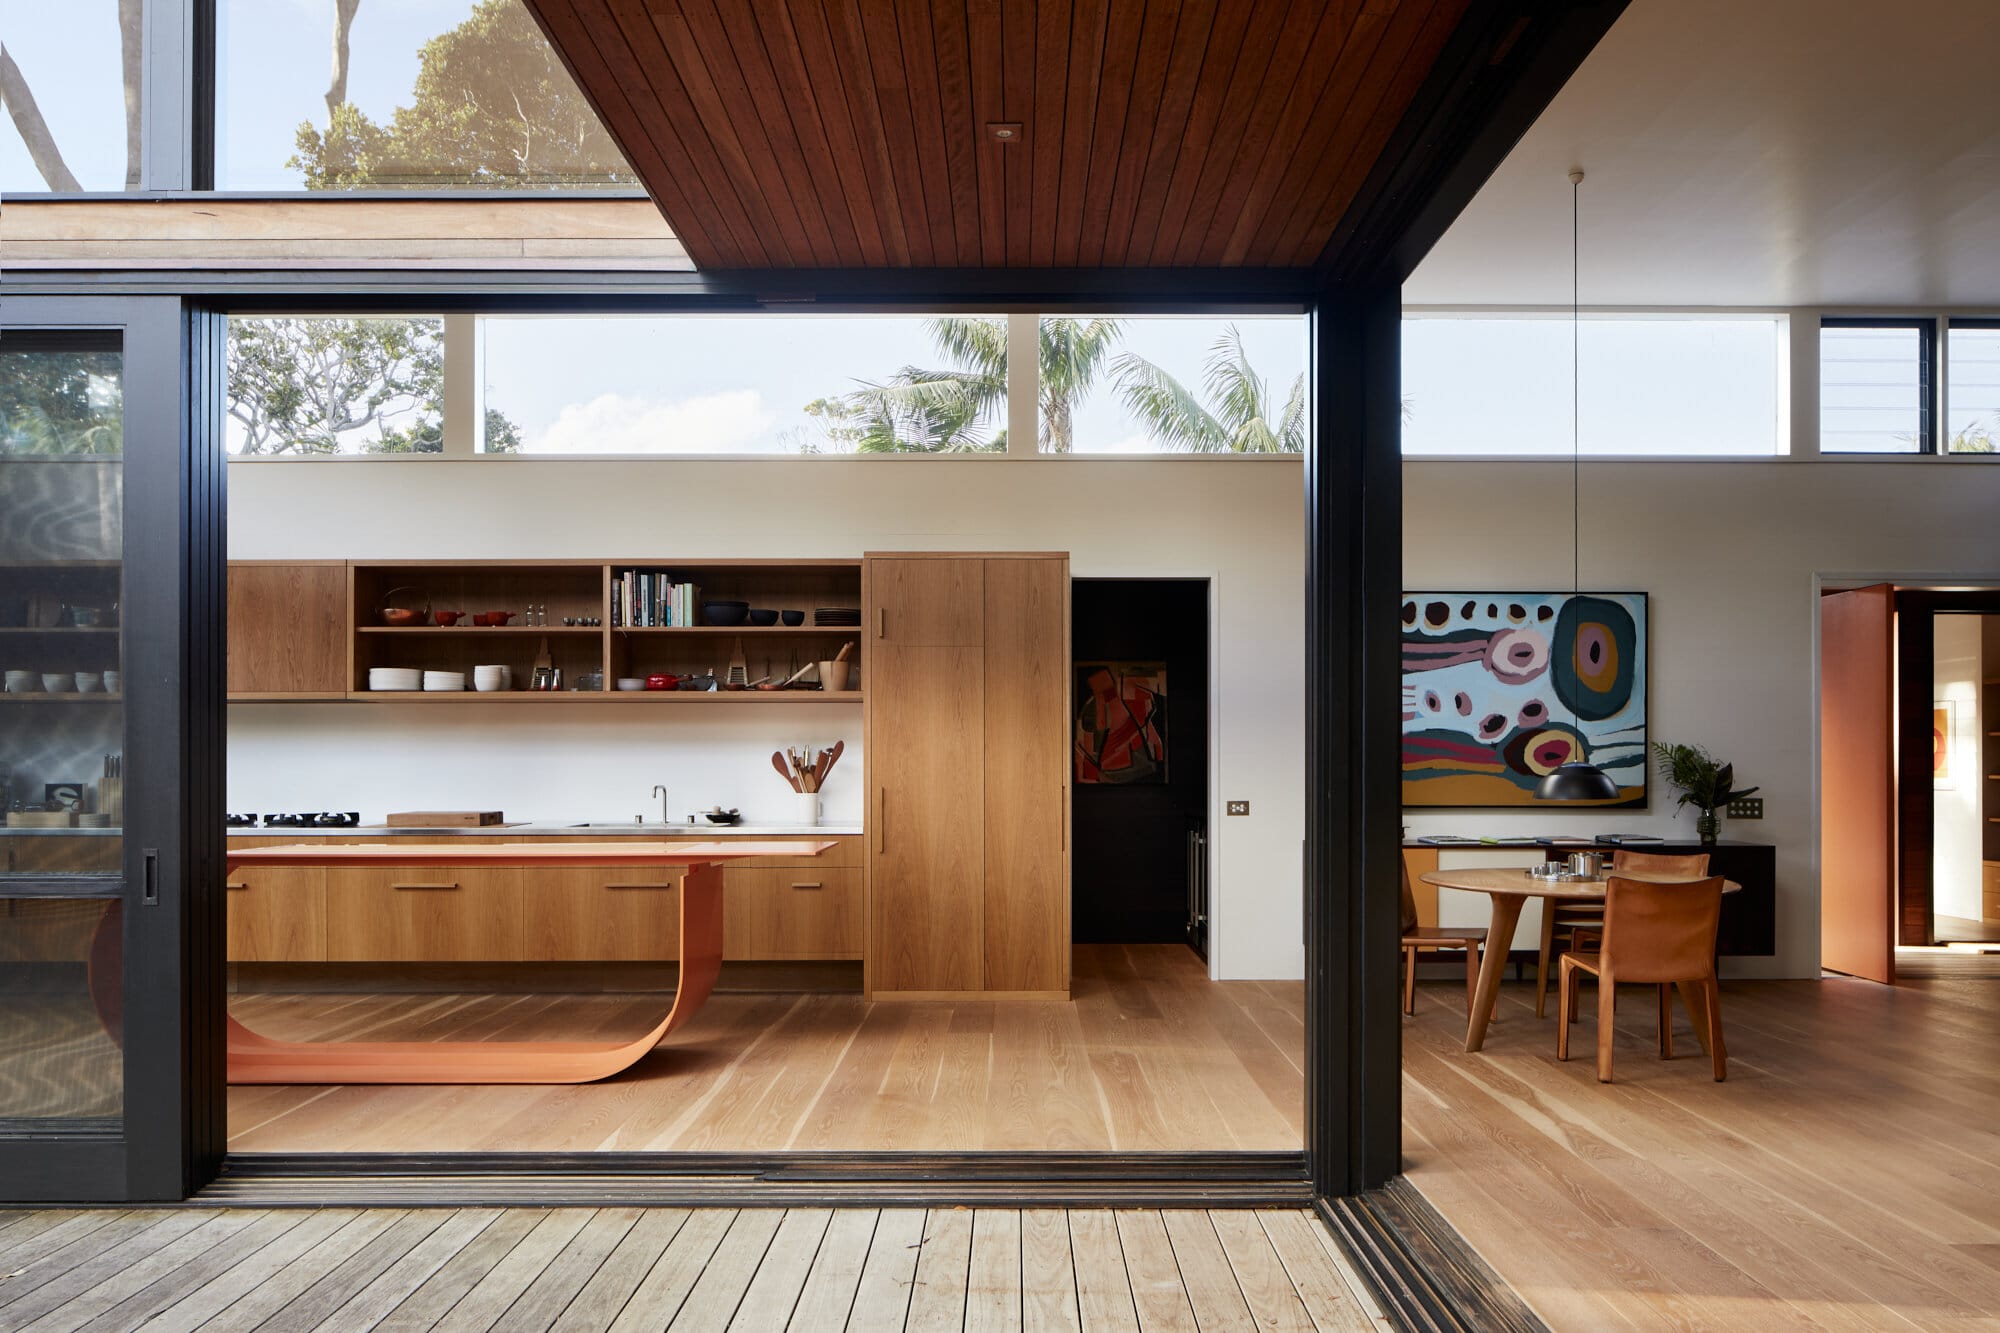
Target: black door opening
1138,843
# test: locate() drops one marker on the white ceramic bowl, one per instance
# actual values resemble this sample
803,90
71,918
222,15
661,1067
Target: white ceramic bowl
89,682
114,681
395,678
22,682
438,682
59,682
631,683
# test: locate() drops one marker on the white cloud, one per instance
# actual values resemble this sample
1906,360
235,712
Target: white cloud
615,423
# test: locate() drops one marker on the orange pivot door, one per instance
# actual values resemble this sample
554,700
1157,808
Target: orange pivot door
1857,844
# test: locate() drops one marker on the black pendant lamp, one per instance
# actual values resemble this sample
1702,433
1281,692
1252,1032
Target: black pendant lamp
1576,780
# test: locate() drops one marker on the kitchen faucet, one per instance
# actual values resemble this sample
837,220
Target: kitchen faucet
661,792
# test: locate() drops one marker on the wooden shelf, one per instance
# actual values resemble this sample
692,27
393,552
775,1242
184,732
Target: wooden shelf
436,630
94,697
280,697
847,631
645,698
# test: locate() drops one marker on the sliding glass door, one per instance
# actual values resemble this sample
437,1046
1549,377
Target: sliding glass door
100,923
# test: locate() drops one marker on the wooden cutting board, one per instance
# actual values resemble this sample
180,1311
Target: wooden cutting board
446,818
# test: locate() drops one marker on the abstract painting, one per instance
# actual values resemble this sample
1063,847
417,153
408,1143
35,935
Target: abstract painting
1121,723
1942,717
1501,688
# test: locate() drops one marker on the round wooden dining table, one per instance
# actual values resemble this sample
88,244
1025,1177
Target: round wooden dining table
1510,890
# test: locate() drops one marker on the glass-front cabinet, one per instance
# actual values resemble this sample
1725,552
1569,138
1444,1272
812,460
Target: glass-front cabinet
92,920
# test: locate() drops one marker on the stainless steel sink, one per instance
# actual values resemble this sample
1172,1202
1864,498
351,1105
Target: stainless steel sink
631,826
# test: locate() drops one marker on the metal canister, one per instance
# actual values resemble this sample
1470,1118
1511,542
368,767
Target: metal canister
1587,865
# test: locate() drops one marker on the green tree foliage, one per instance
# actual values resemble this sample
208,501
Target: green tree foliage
492,106
61,401
1239,416
325,386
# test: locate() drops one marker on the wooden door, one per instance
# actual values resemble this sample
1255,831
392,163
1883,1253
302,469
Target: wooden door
288,628
1027,775
1857,850
925,603
926,816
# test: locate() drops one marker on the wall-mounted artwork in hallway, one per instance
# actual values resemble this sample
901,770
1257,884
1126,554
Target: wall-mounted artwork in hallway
1121,723
1501,688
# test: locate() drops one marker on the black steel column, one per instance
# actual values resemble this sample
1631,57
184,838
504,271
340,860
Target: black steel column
1354,523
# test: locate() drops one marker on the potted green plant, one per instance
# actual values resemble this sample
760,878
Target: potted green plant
1703,782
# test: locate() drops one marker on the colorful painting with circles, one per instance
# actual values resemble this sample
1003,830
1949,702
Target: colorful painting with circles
1500,688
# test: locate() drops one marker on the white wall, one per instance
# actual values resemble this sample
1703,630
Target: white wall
1731,554
1956,869
1238,522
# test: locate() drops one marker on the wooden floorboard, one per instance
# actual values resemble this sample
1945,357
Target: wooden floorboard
1148,1056
1845,1176
984,1271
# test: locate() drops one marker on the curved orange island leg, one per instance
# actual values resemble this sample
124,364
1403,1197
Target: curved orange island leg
255,1058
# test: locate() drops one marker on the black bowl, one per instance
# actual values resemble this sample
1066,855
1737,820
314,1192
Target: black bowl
792,617
725,613
726,817
760,616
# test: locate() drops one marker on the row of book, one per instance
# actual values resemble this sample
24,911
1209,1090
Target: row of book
641,599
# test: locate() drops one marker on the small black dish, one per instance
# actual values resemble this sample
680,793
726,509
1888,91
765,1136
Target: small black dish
725,613
724,816
792,617
761,616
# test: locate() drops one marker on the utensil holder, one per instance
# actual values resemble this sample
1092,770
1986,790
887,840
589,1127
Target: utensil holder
833,675
809,809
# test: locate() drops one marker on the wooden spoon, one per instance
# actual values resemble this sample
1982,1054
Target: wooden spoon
778,762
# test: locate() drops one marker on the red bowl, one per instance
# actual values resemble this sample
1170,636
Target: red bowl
662,681
400,616
447,617
492,618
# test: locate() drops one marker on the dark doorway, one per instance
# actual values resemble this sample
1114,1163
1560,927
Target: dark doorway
1138,847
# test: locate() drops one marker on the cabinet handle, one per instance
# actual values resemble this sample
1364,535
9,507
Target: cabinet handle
881,819
814,885
400,887
234,884
641,886
881,622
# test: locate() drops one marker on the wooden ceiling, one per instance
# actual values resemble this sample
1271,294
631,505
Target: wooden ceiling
854,133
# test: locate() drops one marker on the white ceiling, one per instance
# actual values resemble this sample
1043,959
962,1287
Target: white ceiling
1754,153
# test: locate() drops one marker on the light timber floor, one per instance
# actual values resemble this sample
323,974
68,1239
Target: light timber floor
761,1271
1149,1055
1846,1176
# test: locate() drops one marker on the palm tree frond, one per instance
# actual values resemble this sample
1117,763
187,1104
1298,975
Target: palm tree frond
1175,417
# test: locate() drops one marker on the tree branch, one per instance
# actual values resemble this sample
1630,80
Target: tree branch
20,102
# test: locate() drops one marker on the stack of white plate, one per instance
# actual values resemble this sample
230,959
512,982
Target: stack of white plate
395,678
435,681
492,679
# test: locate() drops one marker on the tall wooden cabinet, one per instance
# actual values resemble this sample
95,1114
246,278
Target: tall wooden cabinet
968,776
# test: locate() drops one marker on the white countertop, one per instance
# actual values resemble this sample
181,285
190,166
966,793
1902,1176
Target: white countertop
565,829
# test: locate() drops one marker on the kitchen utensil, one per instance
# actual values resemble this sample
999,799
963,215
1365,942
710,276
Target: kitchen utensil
827,762
491,618
59,682
761,616
724,613
662,680
447,617
89,617
402,615
845,649
395,678
798,675
809,808
543,675
739,671
1586,865
489,679
632,684
21,682
833,675
792,617
784,769
697,683
114,681
723,816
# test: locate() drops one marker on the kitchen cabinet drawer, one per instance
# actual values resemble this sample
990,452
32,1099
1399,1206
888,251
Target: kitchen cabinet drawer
277,914
599,914
444,914
794,914
1990,877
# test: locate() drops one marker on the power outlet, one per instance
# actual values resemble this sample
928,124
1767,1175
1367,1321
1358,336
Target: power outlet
1237,808
1748,807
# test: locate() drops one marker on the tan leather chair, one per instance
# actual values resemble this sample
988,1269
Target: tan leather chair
1663,934
1419,939
1584,921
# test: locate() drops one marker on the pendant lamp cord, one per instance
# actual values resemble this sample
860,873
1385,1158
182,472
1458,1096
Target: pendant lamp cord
1575,391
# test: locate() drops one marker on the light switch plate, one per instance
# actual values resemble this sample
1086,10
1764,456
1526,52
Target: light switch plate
1237,808
1750,807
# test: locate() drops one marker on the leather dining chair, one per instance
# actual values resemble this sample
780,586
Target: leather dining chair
1585,920
1419,939
1663,934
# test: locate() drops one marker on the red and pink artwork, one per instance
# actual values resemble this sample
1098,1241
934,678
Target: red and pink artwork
1121,723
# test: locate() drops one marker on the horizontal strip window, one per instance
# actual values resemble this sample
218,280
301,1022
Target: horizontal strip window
1972,387
1877,379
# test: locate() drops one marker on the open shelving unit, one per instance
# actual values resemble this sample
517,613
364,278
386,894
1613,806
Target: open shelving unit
576,589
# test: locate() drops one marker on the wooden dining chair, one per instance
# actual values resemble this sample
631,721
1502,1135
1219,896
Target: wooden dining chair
1584,921
1419,939
1659,933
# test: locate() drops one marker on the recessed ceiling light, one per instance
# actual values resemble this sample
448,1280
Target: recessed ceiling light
1006,131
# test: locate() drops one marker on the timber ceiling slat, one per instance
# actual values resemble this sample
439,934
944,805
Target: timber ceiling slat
961,142
1114,95
1256,94
801,54
1319,120
853,133
1052,42
1203,33
647,67
989,102
660,160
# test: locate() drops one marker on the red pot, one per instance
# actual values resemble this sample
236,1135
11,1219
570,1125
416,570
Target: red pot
447,617
490,618
661,681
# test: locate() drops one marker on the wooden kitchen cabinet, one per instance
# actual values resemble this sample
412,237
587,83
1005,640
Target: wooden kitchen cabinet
968,774
277,914
422,914
288,629
588,914
793,915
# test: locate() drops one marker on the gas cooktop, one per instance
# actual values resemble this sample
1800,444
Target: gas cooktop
321,819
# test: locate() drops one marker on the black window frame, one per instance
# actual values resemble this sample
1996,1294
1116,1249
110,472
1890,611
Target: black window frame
1926,328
